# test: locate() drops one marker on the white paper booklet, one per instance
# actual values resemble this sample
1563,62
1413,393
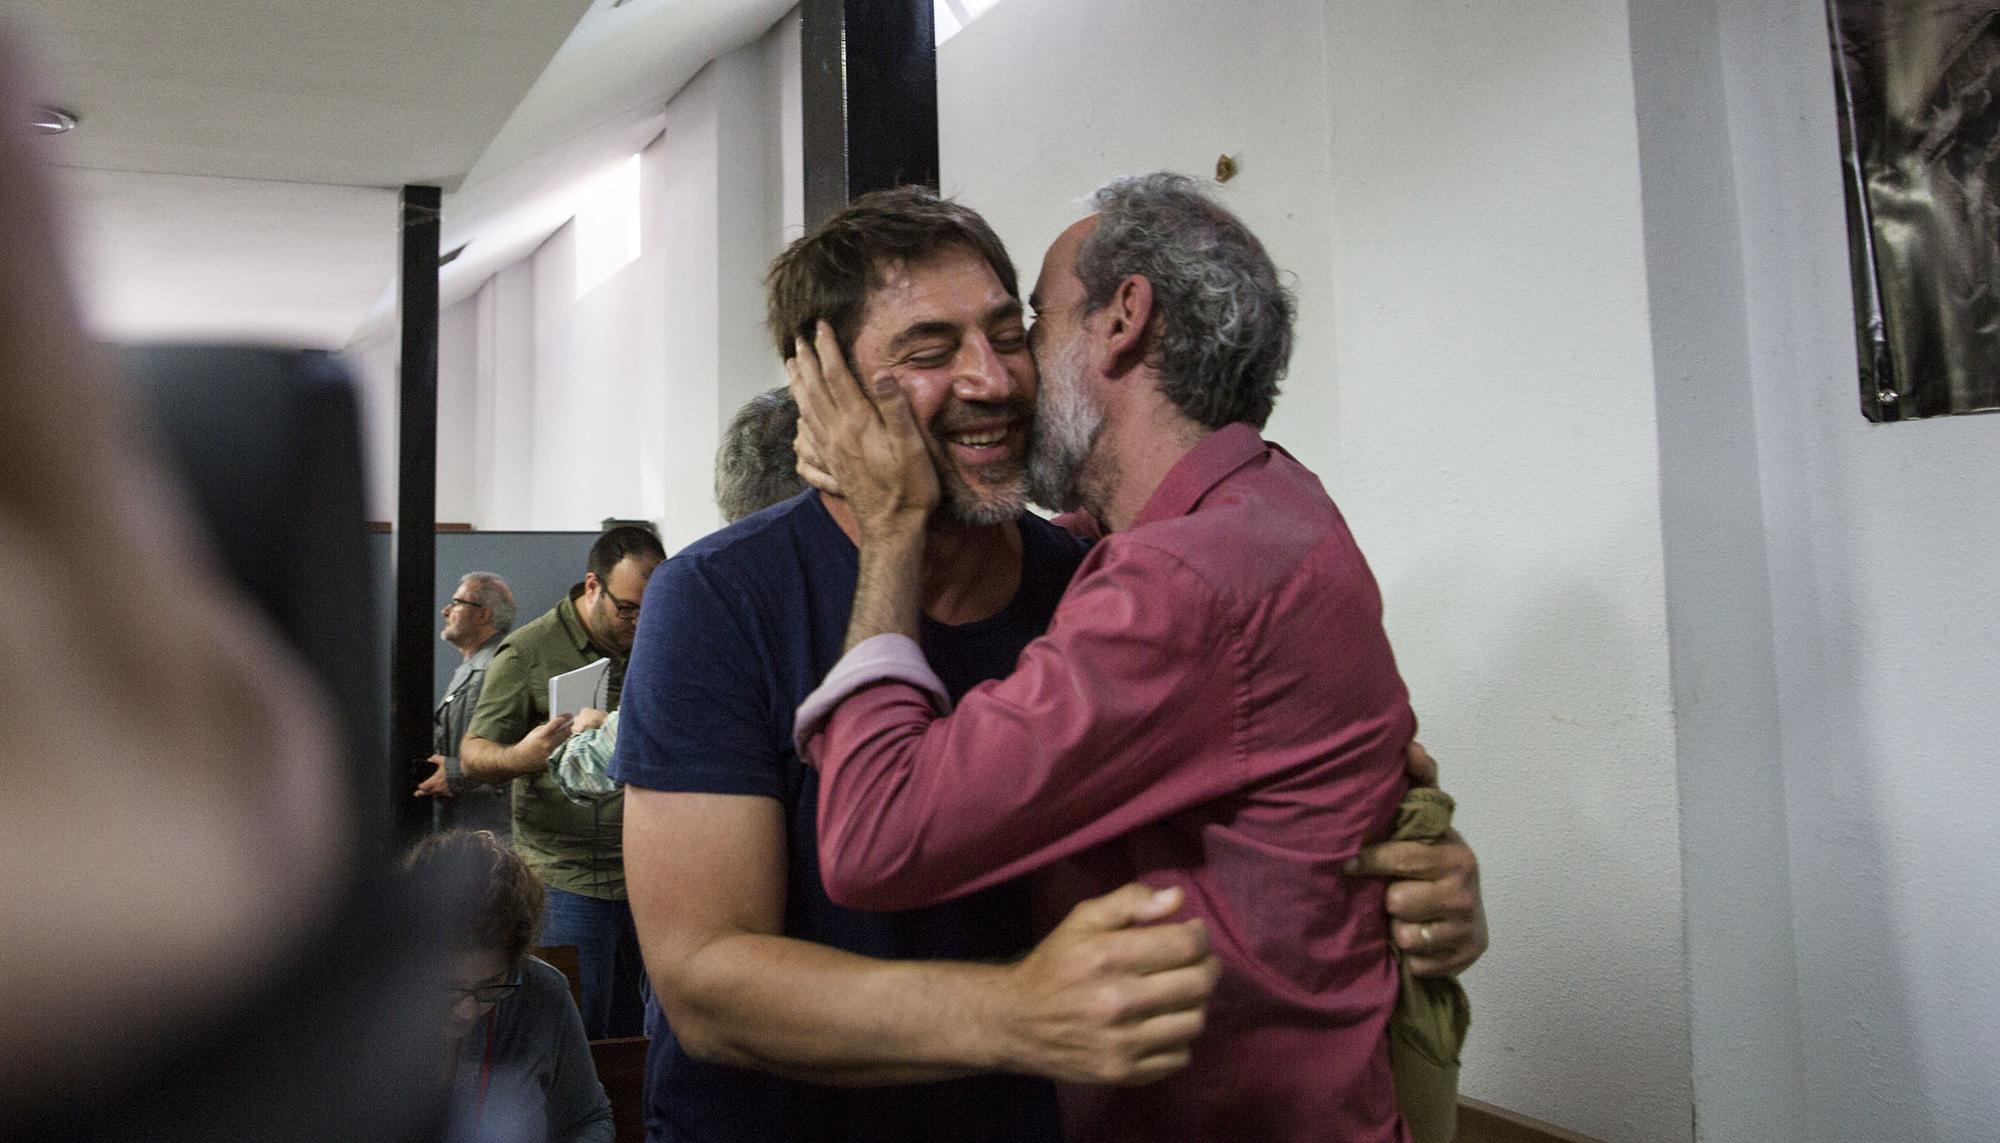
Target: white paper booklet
587,686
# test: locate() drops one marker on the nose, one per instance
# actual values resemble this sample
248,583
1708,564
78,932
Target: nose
983,374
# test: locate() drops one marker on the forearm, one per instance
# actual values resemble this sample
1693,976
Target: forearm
481,760
1099,730
818,1014
707,875
887,591
901,824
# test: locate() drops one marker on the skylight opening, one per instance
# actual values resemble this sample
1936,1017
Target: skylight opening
607,226
952,16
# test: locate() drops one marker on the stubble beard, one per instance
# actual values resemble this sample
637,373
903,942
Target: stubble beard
455,634
1000,495
1067,422
603,626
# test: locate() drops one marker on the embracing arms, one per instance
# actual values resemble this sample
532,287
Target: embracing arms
1108,997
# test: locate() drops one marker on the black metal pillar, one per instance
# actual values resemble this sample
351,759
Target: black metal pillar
868,99
416,511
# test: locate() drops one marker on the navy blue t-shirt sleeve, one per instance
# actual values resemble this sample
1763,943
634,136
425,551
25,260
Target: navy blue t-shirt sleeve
695,714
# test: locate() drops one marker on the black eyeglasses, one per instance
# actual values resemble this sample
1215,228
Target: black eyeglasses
625,610
457,602
490,993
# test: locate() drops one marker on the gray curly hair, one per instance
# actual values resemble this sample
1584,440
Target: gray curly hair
1225,332
755,466
491,592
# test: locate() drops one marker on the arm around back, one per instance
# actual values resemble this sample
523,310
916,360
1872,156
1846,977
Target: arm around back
1108,997
706,874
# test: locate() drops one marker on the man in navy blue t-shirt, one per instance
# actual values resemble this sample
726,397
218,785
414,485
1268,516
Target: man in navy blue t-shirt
779,1015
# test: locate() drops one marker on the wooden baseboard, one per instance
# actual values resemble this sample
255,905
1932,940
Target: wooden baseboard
1484,1123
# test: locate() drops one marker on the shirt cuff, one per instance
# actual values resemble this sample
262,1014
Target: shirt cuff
876,659
454,776
1080,524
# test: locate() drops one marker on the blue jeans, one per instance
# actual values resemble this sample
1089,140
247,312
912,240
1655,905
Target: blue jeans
607,952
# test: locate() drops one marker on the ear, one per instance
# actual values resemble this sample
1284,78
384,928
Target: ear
591,584
1126,317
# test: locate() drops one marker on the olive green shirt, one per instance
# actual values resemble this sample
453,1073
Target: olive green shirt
573,847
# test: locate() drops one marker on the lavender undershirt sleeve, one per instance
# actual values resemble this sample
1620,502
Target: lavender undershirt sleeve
877,659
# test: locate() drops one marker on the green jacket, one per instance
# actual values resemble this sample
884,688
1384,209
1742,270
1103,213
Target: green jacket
1428,1027
572,847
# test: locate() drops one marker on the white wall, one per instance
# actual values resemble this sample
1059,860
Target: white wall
1882,545
557,411
1747,1046
1460,202
1029,124
375,376
1499,460
466,397
458,404
504,436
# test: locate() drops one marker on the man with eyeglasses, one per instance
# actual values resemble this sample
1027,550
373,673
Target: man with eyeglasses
480,614
573,846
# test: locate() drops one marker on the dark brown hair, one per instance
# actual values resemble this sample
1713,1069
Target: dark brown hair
828,273
506,909
617,543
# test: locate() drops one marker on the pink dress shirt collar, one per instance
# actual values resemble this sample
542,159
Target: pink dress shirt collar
1206,465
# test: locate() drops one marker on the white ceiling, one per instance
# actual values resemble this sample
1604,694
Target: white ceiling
235,169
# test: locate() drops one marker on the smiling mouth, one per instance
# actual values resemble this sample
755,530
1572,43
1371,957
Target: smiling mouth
983,438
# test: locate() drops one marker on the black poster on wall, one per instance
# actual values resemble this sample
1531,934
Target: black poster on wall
1918,83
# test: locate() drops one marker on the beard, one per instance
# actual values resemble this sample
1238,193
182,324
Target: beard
607,629
988,494
1067,422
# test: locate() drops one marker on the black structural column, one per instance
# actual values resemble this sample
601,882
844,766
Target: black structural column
416,509
868,99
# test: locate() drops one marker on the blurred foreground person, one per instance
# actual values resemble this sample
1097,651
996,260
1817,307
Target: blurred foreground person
184,955
516,1060
173,696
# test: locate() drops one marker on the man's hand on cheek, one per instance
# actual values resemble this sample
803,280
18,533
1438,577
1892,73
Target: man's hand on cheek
868,443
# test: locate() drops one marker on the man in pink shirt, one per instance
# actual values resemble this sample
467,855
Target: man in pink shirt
1215,706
